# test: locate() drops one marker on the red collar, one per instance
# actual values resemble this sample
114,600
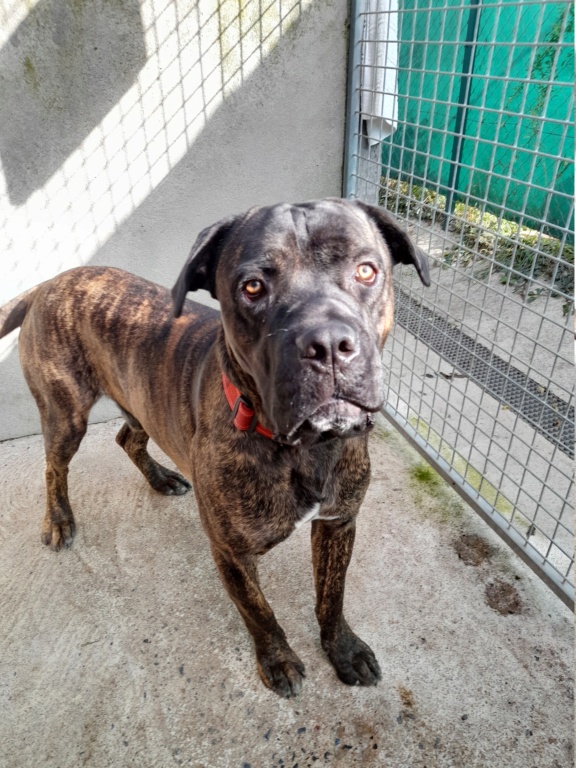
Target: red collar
244,416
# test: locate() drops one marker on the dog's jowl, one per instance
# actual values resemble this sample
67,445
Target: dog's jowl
264,407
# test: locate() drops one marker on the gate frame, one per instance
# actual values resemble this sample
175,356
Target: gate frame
352,155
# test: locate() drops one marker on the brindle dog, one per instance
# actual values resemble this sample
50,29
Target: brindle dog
306,304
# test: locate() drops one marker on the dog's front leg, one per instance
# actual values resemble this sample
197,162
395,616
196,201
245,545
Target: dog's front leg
353,660
278,665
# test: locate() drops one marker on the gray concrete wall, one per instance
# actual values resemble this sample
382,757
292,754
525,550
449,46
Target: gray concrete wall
125,128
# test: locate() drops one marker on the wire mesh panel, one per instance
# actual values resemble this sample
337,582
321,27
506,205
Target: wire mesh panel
460,122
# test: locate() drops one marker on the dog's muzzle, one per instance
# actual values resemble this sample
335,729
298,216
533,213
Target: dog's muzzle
335,419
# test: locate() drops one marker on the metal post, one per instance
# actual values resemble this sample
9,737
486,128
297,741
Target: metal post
462,110
353,126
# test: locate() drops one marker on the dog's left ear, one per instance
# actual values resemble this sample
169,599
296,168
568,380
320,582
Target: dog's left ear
199,271
402,249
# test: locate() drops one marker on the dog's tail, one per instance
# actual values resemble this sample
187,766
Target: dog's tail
12,314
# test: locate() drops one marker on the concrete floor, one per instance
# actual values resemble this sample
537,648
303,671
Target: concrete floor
125,650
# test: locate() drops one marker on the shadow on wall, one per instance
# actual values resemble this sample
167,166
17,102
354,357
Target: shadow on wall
198,56
230,110
263,144
61,71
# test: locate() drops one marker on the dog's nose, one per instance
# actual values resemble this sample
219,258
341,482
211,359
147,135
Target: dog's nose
329,345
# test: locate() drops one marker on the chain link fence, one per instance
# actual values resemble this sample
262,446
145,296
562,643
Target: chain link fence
460,122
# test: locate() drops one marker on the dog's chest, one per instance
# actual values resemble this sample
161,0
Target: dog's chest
312,487
314,513
263,497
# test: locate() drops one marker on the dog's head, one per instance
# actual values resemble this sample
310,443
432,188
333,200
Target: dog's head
307,302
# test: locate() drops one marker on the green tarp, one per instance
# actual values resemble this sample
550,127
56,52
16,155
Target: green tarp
517,153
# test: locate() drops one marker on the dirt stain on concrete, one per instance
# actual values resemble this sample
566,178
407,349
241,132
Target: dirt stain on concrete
406,697
368,740
503,597
472,549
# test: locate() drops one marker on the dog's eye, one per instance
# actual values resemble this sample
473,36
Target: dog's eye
365,273
253,289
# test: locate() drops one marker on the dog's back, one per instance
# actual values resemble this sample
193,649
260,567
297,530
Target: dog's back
94,331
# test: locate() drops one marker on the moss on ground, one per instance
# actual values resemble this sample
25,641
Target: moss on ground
432,496
485,489
424,474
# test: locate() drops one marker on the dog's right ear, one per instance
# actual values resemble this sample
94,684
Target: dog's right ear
199,271
402,249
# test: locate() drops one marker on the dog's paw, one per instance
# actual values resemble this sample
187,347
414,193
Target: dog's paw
281,671
354,661
168,482
58,535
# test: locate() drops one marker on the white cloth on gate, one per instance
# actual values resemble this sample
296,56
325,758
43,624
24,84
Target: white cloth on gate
379,73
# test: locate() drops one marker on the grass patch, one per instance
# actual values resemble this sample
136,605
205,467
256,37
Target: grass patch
484,487
432,495
520,254
425,475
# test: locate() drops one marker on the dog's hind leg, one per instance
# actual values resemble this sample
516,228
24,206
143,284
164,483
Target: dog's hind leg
133,438
65,388
64,420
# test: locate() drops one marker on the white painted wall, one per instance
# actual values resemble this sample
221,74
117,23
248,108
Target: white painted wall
127,127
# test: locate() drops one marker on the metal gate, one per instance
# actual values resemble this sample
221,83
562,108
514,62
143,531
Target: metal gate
460,122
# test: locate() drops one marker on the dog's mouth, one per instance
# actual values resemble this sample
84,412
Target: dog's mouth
336,418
